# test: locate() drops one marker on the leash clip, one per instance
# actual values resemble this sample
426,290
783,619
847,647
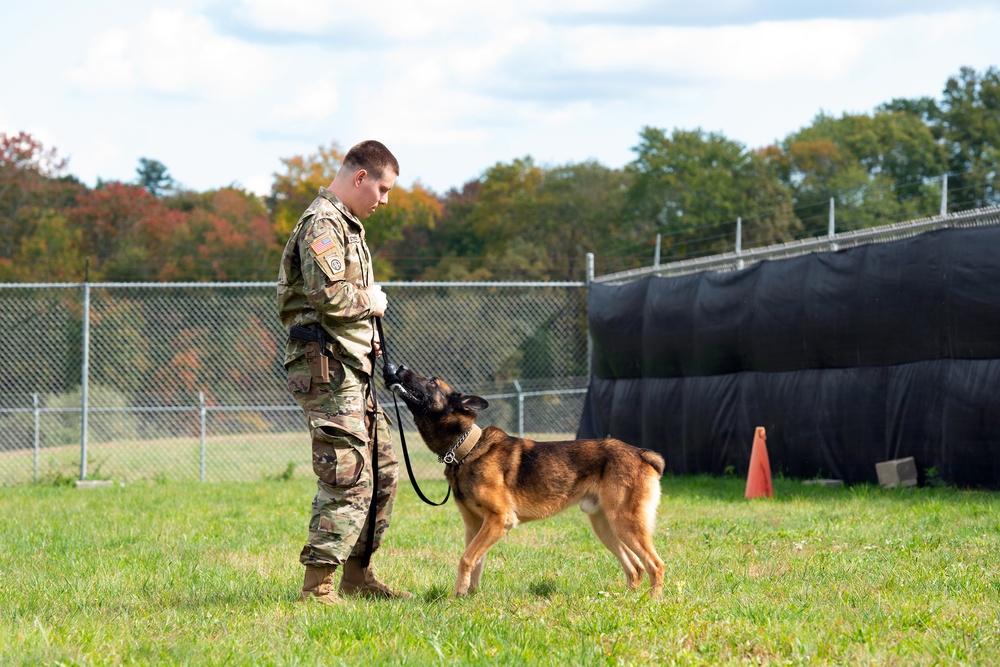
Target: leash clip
449,458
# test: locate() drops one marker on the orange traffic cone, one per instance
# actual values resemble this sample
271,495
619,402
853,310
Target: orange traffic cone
759,477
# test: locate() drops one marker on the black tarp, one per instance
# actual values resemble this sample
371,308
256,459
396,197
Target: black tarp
847,358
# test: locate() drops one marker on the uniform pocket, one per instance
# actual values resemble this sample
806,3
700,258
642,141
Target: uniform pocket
339,464
299,383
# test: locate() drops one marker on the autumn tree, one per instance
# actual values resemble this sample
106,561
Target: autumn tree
33,195
296,188
521,221
293,190
125,231
225,235
397,234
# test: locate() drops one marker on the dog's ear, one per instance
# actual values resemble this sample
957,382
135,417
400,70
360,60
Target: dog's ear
474,403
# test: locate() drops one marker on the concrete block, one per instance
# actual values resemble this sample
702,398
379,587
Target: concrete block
897,472
92,483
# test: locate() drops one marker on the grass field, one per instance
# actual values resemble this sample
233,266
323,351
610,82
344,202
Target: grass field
189,573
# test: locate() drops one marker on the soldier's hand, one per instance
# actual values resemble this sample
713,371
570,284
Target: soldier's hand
378,299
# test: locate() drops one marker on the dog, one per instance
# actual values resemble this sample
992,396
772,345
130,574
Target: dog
500,481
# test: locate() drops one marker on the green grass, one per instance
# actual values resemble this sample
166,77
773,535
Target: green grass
189,573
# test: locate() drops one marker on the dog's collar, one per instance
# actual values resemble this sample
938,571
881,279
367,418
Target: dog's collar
462,447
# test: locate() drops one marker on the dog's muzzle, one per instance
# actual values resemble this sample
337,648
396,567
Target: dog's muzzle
390,376
392,381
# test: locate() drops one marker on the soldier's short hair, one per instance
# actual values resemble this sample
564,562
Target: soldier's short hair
373,157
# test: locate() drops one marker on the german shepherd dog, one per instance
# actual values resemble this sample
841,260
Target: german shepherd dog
499,481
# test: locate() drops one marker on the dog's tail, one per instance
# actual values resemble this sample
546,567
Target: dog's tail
653,459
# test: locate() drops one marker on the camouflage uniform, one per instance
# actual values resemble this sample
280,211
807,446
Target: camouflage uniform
324,269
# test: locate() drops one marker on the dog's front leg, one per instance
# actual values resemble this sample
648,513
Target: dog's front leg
473,523
492,529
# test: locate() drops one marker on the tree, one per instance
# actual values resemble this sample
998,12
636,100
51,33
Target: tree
692,186
966,125
154,177
451,252
520,221
398,232
581,213
293,190
878,169
125,231
970,127
29,183
51,254
225,235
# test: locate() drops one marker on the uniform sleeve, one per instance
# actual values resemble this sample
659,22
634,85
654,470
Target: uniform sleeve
321,249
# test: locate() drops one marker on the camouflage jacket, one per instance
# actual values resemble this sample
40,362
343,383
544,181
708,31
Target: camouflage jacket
324,269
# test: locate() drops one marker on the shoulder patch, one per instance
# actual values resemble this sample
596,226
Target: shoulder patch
336,266
322,244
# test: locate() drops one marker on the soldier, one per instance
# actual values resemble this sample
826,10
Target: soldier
326,299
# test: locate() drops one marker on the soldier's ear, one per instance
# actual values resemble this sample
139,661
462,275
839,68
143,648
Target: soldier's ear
474,403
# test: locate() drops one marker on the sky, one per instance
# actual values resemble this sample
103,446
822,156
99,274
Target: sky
220,91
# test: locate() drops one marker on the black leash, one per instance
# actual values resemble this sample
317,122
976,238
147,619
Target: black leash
366,556
390,379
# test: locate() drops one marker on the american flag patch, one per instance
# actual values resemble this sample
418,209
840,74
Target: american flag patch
322,244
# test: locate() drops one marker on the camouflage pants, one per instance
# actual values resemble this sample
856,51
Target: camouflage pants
342,425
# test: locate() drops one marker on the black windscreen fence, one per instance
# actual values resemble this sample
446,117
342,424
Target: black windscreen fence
847,358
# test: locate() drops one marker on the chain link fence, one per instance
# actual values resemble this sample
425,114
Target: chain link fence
174,381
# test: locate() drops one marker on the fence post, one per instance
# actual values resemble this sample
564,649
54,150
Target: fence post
520,409
831,228
201,430
739,240
656,254
84,380
34,401
588,279
944,194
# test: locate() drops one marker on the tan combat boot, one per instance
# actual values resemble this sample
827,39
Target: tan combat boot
361,582
318,585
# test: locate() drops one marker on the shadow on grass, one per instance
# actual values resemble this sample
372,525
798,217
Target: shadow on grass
436,594
543,589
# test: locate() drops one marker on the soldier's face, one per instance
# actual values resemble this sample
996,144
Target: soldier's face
372,192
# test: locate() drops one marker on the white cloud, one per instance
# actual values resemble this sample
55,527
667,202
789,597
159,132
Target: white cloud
306,17
314,101
454,86
174,53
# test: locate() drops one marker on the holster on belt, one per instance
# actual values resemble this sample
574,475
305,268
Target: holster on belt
319,364
315,337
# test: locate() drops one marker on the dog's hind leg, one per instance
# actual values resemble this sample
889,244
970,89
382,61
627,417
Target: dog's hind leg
629,561
634,525
639,540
